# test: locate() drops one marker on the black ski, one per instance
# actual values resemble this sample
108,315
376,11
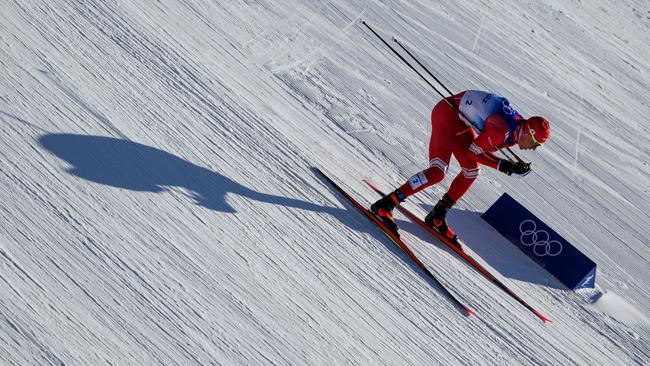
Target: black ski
465,256
399,243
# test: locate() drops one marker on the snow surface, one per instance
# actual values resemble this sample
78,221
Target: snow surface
159,203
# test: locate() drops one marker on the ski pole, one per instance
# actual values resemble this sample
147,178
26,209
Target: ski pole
406,62
427,81
448,91
446,99
422,66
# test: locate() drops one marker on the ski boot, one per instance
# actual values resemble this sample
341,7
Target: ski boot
437,220
383,209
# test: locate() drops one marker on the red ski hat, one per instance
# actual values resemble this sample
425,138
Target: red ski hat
538,127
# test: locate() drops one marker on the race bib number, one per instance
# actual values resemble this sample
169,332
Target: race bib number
477,106
418,180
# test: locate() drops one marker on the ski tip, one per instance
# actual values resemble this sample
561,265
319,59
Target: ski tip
469,313
544,319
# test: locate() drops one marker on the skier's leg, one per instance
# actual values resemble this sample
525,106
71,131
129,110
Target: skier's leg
437,218
441,144
435,173
443,121
432,175
470,168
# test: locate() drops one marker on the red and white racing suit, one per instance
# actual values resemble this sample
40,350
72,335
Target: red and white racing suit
450,135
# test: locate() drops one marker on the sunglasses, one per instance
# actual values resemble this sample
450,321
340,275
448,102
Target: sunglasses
531,133
536,143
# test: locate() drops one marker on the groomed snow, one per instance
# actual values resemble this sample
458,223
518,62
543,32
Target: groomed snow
158,201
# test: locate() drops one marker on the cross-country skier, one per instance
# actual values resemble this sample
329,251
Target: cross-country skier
499,125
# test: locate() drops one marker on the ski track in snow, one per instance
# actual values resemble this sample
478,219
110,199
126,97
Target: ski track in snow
159,204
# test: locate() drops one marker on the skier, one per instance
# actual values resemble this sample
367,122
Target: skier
499,125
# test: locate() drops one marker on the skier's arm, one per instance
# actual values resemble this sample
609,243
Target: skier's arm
492,156
493,136
477,152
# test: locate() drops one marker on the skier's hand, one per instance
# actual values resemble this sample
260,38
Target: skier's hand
521,168
510,167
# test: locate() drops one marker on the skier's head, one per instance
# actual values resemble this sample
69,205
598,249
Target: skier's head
534,131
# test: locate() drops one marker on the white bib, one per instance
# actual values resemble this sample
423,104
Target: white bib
477,106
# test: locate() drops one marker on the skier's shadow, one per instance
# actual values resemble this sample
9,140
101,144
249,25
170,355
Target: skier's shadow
137,167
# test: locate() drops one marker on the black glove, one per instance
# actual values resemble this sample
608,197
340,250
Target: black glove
509,167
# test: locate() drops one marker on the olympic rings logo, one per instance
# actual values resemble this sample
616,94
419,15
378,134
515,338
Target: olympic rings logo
507,109
538,239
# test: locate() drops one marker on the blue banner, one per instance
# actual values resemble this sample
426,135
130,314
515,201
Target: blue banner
541,243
